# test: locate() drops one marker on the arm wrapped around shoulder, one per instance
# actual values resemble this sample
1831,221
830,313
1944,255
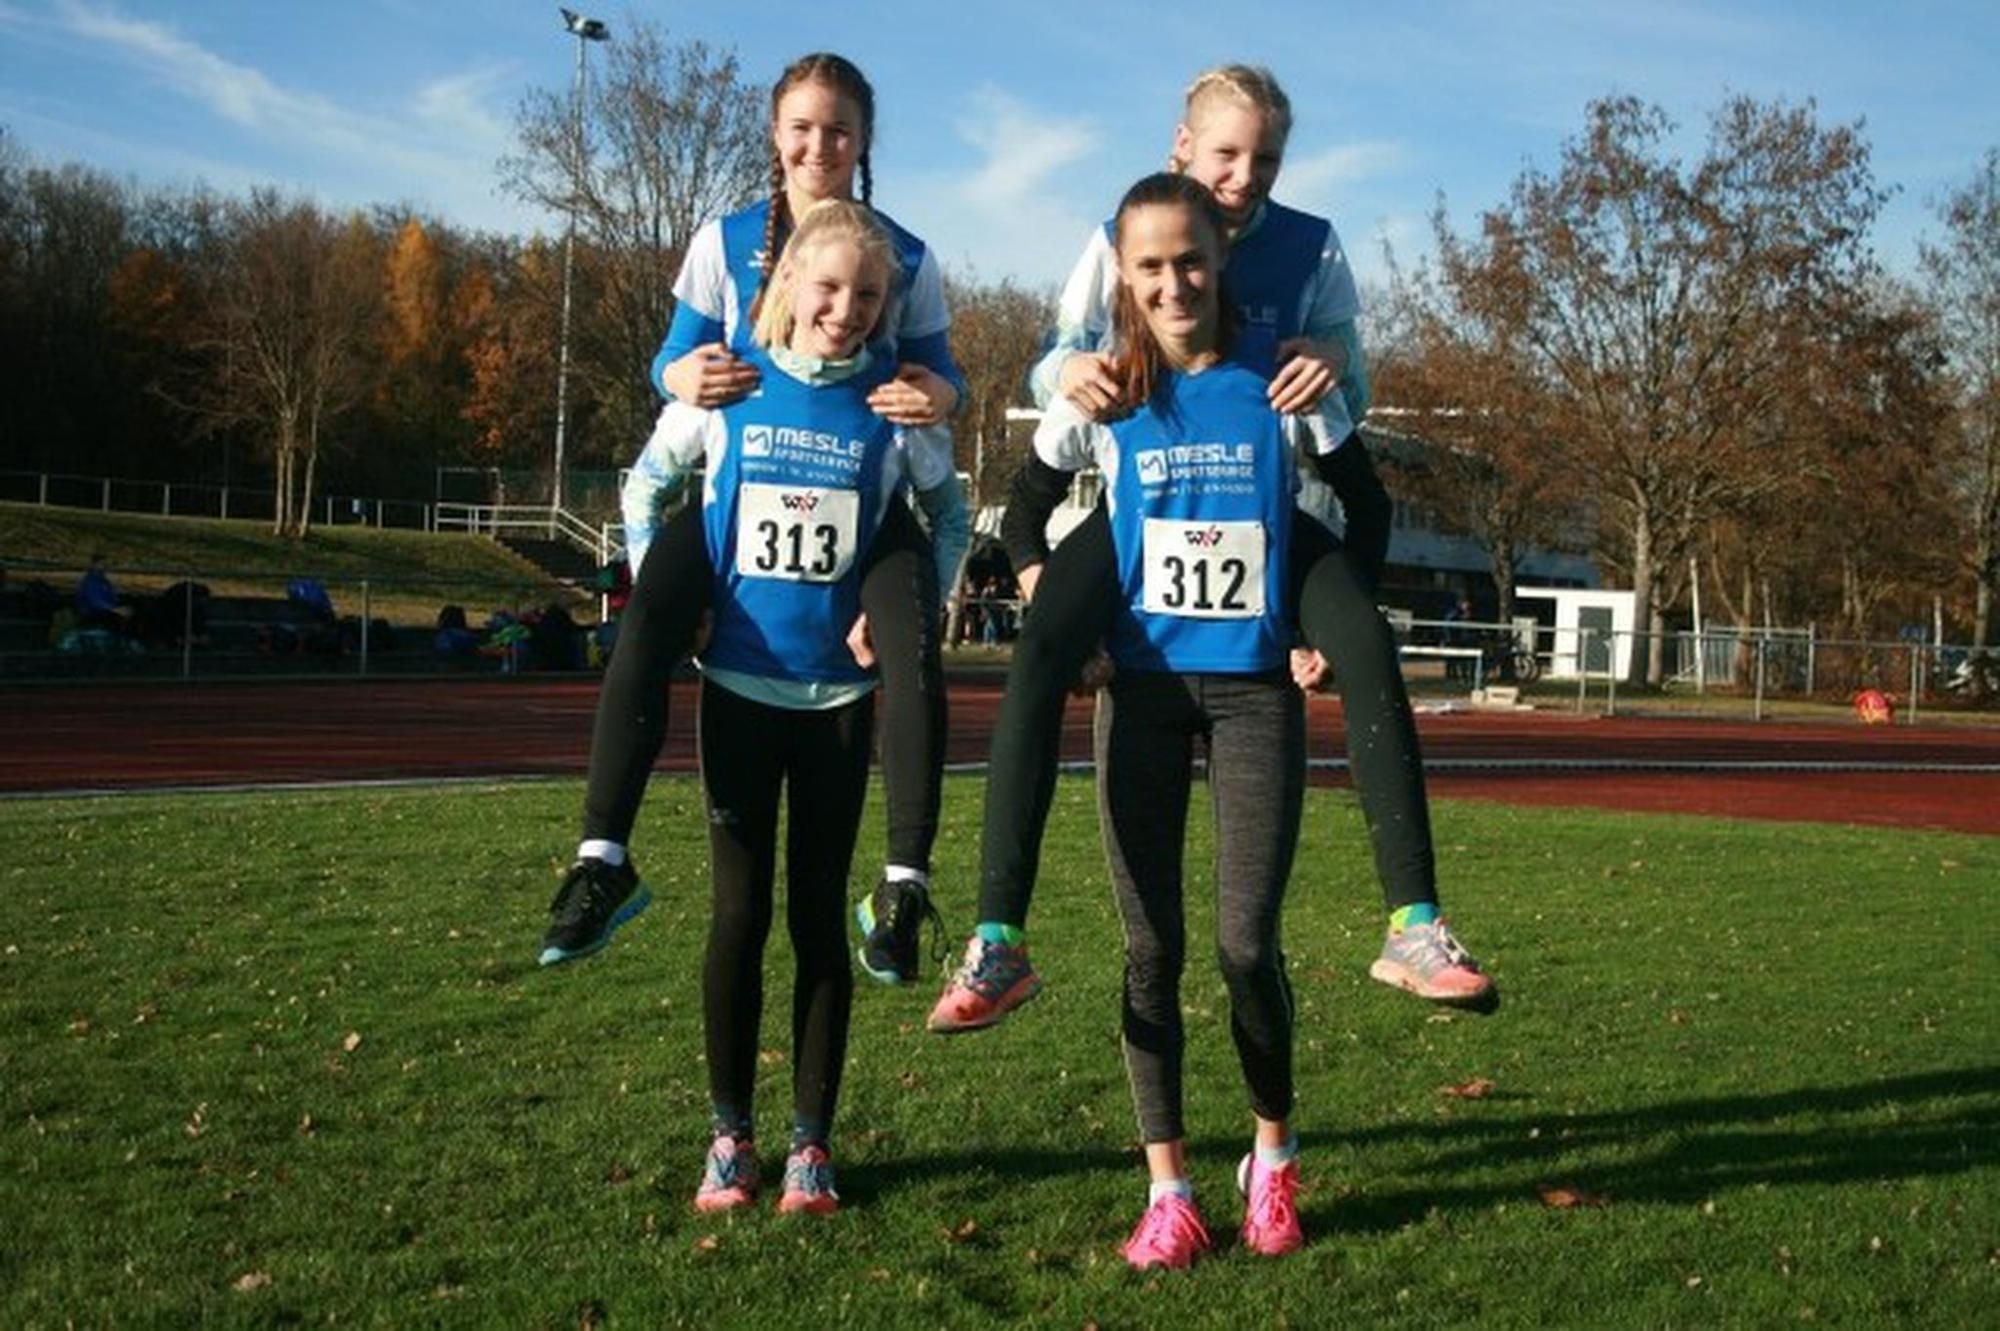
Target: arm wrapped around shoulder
1365,503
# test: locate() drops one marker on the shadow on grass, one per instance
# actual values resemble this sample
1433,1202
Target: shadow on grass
1684,1151
1677,1151
864,1182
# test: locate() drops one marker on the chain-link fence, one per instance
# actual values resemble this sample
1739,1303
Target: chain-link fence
64,622
1756,672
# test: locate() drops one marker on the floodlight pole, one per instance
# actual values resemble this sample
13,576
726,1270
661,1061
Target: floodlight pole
585,30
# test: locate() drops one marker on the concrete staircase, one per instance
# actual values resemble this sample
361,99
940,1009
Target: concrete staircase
558,558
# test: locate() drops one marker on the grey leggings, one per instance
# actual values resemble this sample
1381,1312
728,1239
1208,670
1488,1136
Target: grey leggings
1254,728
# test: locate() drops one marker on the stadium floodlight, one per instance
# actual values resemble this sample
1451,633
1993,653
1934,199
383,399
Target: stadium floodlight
590,29
585,30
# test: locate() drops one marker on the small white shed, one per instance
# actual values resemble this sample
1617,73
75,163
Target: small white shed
1591,630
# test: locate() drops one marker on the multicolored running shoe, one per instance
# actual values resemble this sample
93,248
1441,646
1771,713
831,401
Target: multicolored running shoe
729,1176
809,1183
994,979
1428,961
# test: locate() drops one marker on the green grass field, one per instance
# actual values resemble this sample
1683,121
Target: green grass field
287,1059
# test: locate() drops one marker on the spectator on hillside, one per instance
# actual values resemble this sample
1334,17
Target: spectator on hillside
97,598
554,641
454,637
181,611
309,595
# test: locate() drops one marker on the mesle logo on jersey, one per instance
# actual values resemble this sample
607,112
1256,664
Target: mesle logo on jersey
1195,462
763,441
810,455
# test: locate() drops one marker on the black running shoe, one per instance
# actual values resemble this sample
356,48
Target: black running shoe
891,918
594,900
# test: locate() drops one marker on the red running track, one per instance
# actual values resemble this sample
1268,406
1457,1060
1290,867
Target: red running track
149,736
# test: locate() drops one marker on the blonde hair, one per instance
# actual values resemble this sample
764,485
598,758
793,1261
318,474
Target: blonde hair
828,220
1251,86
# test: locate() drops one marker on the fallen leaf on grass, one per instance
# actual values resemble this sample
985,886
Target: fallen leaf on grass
1568,1198
352,1042
965,1230
306,1125
707,1243
1476,1089
251,1281
197,1122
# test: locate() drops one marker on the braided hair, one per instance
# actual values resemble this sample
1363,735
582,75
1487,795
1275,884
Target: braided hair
840,74
1246,85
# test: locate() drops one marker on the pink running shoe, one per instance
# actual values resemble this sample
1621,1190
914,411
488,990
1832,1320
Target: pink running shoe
809,1183
728,1177
1428,961
1270,1206
1169,1235
994,980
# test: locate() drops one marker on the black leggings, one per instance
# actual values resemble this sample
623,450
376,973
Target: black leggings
1074,602
750,754
899,594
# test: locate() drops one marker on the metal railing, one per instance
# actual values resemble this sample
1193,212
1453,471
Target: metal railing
184,499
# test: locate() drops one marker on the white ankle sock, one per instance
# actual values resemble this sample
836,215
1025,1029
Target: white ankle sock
610,852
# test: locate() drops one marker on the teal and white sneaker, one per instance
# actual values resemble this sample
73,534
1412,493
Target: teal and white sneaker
728,1176
891,919
809,1183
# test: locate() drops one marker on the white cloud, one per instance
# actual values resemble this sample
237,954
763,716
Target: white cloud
461,106
1315,181
437,151
1022,148
1011,213
232,91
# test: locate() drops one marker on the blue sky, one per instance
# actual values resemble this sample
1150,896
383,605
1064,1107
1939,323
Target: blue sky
1007,128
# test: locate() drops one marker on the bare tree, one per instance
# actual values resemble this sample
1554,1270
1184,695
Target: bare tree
996,335
289,304
1659,297
1489,460
1964,281
672,136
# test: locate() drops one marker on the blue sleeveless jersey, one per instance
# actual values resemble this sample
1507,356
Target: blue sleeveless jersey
1265,278
743,249
1201,520
789,511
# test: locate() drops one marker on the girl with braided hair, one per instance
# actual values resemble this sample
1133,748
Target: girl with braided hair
822,132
